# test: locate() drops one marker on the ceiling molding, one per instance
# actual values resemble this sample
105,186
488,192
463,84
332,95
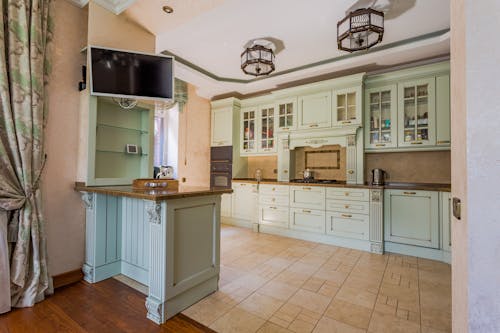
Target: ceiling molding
114,6
79,3
440,33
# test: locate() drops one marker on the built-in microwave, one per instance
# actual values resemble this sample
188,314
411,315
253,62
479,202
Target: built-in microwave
221,167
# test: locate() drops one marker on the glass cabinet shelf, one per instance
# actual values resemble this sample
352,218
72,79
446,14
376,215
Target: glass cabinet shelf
381,117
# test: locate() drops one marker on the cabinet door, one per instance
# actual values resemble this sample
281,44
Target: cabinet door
315,111
222,127
417,113
355,226
412,217
381,117
248,131
446,214
244,201
225,205
312,197
307,220
266,130
286,114
275,216
347,106
443,122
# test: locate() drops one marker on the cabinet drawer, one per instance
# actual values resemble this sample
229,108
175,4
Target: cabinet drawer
274,200
355,194
274,216
307,220
312,197
274,189
348,225
343,206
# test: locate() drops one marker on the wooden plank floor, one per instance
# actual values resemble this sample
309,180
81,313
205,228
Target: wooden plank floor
107,306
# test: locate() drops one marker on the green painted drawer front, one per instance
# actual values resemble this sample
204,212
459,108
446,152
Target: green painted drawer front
412,217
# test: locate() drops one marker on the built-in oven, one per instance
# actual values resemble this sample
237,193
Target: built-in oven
221,167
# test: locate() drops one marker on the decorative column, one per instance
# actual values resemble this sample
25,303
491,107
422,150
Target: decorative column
377,221
88,267
351,159
155,302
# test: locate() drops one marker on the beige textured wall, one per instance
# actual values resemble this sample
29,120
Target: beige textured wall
64,213
266,163
459,271
194,140
412,167
117,31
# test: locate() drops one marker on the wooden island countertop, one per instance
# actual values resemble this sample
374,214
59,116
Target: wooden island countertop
151,194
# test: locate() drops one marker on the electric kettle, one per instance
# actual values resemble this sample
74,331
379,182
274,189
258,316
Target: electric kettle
378,176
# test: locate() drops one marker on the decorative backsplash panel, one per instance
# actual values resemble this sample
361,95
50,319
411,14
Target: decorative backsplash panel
327,162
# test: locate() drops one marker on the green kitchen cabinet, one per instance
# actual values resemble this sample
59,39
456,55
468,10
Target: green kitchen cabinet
443,121
315,110
445,214
381,117
110,129
412,217
347,106
222,127
417,113
286,114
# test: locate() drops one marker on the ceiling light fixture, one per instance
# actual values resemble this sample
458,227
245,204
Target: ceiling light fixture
258,57
360,30
168,9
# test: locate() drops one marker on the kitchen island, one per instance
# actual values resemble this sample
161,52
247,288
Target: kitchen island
166,239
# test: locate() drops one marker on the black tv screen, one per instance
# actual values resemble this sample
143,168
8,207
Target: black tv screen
127,74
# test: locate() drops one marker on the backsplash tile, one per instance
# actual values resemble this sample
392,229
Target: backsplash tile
329,162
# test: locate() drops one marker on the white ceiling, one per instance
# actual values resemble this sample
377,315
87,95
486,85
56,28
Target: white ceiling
210,35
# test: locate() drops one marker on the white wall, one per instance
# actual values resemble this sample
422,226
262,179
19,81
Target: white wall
476,164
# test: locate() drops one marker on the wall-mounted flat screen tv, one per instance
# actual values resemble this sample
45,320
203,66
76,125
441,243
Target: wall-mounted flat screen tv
127,74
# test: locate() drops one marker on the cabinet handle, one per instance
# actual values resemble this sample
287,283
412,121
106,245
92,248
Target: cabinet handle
306,211
313,125
416,142
285,128
443,141
347,215
350,172
274,189
346,122
347,206
346,194
380,145
306,188
410,193
273,199
273,207
243,184
285,171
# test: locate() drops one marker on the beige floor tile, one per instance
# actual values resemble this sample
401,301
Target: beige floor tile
357,296
314,284
269,327
261,305
237,321
301,326
349,313
310,301
294,279
278,290
329,289
382,323
207,310
440,320
331,275
433,330
328,325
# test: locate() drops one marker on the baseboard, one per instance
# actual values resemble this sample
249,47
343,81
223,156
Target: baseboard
67,278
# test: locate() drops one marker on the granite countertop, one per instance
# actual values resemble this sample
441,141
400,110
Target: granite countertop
152,194
389,185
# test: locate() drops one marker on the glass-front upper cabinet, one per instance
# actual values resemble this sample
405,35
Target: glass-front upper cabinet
347,106
248,130
417,113
267,142
286,114
380,117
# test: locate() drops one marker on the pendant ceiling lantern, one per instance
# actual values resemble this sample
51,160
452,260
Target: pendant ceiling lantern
258,58
360,30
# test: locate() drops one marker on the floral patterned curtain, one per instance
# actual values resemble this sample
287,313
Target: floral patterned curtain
25,35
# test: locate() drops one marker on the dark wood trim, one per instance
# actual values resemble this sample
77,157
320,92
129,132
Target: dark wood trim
203,328
64,279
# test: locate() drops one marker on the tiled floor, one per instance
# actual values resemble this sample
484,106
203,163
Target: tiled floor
276,284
